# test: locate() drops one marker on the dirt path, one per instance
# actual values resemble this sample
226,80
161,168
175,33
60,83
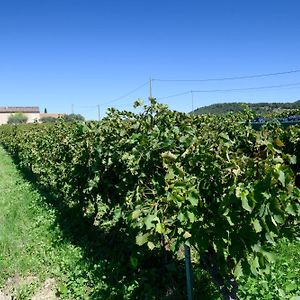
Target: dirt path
45,292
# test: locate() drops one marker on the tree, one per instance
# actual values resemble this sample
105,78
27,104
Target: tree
45,111
48,119
17,118
73,118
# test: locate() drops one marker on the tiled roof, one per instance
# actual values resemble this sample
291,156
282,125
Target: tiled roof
52,115
20,109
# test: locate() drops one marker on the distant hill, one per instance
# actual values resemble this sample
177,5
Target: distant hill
259,108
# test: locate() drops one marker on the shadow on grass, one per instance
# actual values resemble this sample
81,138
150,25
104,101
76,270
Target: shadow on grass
117,268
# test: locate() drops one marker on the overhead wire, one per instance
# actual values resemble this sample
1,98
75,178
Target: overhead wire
232,90
127,94
248,88
229,78
175,95
208,91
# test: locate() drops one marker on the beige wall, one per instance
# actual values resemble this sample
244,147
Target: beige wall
31,117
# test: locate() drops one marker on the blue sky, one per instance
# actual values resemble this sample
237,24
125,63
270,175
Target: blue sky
55,53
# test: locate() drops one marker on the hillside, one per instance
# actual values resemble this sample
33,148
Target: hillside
259,108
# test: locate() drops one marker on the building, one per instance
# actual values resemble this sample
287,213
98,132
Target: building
32,113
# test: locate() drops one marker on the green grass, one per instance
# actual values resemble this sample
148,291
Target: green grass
40,241
283,282
32,243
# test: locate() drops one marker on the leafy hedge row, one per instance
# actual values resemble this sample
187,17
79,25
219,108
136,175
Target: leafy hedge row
170,178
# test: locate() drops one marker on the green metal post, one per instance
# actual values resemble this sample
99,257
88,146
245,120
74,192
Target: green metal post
188,268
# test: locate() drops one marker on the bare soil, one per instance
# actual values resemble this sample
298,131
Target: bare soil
46,291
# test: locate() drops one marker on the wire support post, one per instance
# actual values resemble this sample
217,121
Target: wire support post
150,88
98,110
192,100
189,274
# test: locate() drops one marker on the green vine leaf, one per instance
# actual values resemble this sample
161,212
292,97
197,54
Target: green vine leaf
257,226
142,239
187,235
150,245
149,221
160,228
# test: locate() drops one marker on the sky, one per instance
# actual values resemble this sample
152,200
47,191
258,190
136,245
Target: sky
73,55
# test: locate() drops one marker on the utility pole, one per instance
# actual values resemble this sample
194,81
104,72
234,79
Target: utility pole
150,87
192,101
99,116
